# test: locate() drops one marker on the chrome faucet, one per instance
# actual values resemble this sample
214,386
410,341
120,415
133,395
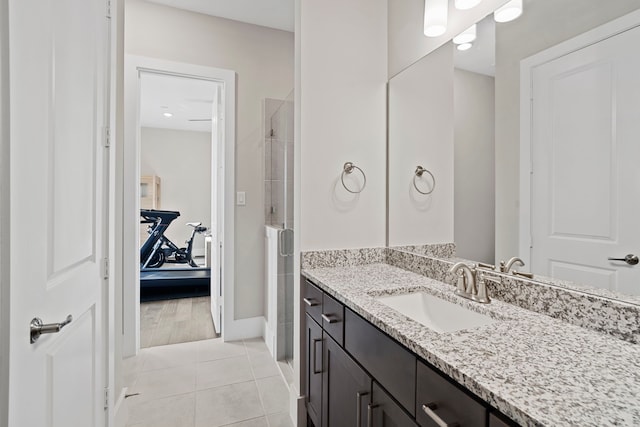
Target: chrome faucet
470,283
505,268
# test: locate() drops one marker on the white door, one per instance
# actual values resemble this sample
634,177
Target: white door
217,208
586,172
58,86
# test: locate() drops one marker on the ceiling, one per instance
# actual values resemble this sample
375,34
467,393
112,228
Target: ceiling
184,98
278,14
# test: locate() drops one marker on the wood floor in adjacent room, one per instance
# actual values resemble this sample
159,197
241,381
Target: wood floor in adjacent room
175,321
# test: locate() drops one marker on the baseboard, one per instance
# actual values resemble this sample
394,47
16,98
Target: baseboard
242,329
120,411
269,339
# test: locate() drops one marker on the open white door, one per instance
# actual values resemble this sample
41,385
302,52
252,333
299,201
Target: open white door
585,184
58,98
217,207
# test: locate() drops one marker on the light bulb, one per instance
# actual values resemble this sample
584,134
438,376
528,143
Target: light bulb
508,12
464,46
435,17
167,114
467,36
466,4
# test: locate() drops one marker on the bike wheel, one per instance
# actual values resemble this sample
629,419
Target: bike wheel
156,260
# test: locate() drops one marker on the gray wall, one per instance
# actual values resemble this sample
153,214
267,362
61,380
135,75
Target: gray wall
543,24
263,61
182,160
474,198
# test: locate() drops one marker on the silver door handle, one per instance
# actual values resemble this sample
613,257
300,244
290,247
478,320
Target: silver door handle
38,328
328,319
310,302
630,259
429,408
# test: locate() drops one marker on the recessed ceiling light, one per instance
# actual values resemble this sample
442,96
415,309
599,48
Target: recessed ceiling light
167,114
466,4
435,17
464,46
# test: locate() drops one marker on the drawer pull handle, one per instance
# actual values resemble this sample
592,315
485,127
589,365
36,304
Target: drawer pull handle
328,319
315,342
359,407
309,302
370,408
429,408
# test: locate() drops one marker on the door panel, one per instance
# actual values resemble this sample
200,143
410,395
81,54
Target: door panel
58,103
585,192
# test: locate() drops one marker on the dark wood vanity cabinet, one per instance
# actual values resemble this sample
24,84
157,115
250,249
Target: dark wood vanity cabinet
386,412
438,399
356,375
314,369
346,388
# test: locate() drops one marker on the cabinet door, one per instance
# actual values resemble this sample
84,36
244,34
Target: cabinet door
346,389
438,401
385,412
496,420
313,367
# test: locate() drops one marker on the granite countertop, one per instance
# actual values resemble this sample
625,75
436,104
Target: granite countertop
537,370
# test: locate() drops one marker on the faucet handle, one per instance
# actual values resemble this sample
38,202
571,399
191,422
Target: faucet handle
482,296
488,266
503,267
462,281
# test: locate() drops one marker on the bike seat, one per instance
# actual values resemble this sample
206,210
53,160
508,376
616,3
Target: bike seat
194,224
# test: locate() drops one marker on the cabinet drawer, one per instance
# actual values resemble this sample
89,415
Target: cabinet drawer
447,402
312,298
333,318
390,364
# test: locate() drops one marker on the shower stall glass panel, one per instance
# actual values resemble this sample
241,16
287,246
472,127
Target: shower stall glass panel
279,212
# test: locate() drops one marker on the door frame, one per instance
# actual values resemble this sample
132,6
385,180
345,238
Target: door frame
527,66
130,194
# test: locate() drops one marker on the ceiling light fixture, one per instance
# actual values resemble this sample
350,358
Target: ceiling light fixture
464,46
167,114
508,12
435,17
466,4
467,36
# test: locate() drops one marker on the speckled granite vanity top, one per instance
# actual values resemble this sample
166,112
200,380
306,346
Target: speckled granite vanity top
537,370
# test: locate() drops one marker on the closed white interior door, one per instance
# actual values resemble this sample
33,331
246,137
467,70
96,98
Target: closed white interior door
585,204
58,86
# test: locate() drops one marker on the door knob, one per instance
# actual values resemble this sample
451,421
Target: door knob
630,259
38,328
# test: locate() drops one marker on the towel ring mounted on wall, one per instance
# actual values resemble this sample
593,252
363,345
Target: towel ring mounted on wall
418,174
348,168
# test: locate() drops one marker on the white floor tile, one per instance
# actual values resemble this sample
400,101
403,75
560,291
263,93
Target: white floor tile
274,394
165,382
228,404
280,420
215,349
169,356
223,372
166,412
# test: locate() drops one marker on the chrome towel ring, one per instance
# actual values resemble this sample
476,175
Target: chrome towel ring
418,174
348,168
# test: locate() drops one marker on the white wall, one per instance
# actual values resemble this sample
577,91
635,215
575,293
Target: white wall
474,198
343,73
182,160
407,43
263,61
421,133
4,213
544,23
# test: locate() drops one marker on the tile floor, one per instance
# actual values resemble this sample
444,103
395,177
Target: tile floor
175,321
206,384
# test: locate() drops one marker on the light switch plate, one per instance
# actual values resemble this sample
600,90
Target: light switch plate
241,198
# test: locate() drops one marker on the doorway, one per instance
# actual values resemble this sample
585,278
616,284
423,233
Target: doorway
578,170
179,116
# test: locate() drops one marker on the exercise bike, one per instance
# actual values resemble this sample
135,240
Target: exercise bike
158,249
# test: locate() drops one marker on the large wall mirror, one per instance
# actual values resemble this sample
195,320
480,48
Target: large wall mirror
529,140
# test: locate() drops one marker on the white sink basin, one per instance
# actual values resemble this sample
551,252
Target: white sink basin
435,313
